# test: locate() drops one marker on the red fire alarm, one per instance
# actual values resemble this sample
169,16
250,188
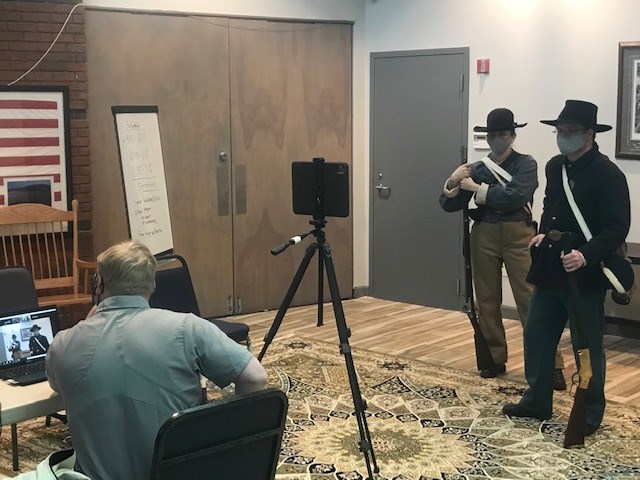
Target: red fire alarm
483,65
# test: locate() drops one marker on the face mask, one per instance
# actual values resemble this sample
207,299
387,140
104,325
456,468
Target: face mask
567,144
499,145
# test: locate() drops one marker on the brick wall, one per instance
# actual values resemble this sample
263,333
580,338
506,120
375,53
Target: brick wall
27,29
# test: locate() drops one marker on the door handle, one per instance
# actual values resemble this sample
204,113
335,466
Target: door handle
382,188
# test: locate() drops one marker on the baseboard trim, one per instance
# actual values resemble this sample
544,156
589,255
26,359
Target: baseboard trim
619,327
360,292
509,312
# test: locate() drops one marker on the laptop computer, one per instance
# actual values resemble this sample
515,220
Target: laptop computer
25,337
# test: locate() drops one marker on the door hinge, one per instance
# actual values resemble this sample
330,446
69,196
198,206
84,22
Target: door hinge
462,82
463,154
457,286
230,305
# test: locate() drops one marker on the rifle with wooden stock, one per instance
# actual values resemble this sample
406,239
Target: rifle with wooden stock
484,360
577,424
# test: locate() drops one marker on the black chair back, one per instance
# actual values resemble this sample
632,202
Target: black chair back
174,289
18,290
231,439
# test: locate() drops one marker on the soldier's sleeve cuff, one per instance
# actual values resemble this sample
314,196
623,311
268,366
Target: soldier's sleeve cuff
450,193
481,194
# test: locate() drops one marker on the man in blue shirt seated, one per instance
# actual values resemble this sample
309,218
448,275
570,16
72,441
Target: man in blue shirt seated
128,367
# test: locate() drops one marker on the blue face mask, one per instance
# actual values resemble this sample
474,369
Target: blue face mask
567,144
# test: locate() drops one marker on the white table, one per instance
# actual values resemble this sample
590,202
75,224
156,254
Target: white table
18,404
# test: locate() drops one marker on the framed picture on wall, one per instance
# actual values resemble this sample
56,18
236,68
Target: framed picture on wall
628,118
35,146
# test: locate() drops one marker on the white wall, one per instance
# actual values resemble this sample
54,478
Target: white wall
542,52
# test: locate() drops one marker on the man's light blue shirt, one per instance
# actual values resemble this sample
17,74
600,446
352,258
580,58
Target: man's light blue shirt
124,371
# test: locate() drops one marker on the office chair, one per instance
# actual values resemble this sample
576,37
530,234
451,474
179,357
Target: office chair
174,291
230,439
18,290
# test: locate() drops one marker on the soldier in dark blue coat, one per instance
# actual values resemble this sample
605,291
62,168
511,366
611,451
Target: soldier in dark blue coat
602,195
38,344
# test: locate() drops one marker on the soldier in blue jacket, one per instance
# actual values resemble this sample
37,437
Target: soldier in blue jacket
38,344
602,195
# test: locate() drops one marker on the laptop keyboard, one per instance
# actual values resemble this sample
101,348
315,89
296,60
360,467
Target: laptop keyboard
22,370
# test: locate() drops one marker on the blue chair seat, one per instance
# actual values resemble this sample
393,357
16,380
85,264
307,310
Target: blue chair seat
238,332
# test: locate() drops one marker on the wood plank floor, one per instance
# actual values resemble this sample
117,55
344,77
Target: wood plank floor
440,337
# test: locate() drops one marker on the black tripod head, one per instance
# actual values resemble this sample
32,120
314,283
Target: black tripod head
318,231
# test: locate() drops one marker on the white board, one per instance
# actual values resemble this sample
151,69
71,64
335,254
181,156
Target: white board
143,176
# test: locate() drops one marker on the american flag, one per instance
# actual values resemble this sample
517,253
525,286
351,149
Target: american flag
32,148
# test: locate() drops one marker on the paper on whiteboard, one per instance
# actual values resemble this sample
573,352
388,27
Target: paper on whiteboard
144,180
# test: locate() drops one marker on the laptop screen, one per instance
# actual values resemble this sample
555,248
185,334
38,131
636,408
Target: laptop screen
25,336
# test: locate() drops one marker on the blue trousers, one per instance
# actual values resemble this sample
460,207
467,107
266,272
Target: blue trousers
548,314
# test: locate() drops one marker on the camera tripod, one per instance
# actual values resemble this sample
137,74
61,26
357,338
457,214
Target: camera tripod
324,252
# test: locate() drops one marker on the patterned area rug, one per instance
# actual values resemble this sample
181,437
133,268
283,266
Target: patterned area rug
426,422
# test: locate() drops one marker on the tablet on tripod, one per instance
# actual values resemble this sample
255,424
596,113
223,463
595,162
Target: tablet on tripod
322,189
320,184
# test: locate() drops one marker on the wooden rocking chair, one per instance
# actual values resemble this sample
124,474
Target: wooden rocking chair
45,240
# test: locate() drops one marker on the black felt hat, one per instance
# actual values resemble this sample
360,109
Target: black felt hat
34,328
499,120
580,112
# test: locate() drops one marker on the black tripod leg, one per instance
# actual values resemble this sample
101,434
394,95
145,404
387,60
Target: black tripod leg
320,289
344,333
295,283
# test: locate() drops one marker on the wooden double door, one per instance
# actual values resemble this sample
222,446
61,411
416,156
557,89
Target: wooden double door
239,100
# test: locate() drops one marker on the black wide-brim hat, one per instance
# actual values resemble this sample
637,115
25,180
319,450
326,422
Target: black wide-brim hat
581,112
499,120
34,328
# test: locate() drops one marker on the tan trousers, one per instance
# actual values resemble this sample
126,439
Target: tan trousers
492,245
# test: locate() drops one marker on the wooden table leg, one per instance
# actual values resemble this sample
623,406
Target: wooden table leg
14,446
